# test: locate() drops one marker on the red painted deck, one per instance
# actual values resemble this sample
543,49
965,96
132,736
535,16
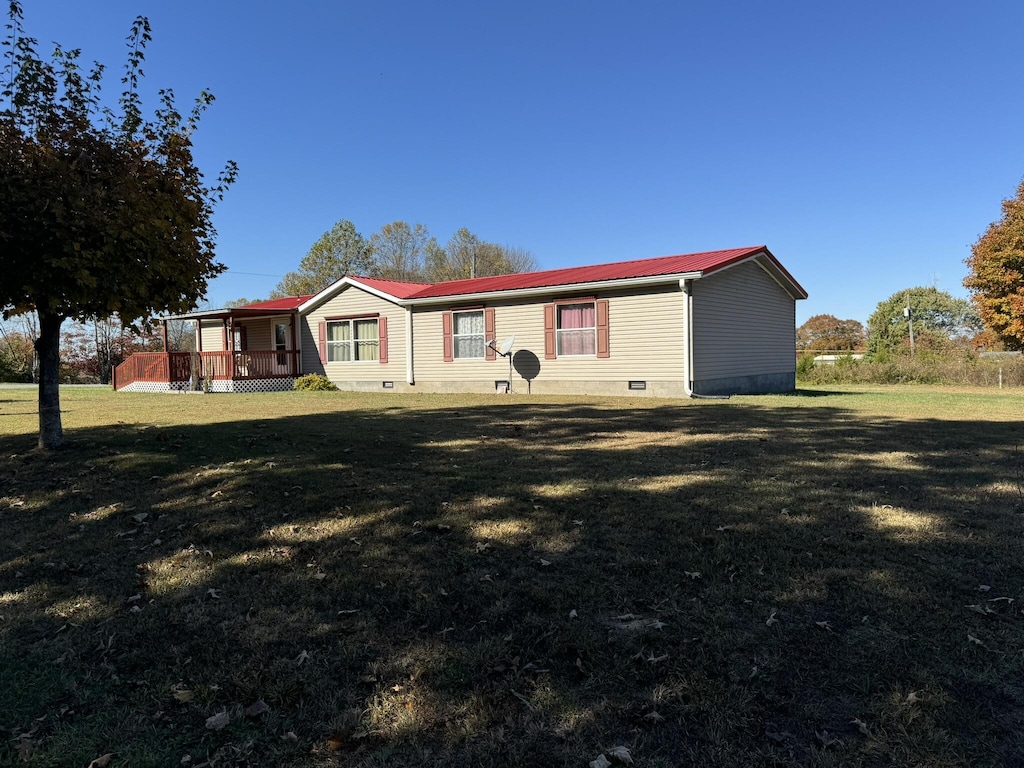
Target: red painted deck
176,367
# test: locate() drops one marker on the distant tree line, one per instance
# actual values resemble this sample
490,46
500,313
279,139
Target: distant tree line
88,350
942,326
399,251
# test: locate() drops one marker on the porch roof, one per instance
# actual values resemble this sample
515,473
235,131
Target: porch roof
287,305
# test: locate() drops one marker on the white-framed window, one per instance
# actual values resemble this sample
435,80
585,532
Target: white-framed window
576,329
353,340
468,341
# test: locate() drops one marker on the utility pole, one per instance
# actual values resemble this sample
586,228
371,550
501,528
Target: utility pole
910,321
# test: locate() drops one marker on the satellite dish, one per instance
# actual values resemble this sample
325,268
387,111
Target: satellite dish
506,345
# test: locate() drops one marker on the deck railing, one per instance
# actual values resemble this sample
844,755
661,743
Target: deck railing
175,367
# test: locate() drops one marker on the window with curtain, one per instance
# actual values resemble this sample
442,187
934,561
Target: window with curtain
349,340
468,335
576,330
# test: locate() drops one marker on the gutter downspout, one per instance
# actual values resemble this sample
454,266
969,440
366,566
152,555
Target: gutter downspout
684,286
410,376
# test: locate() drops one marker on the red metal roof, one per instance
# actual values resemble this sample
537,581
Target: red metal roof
287,303
705,262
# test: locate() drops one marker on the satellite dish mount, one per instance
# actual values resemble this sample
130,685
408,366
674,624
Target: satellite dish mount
505,350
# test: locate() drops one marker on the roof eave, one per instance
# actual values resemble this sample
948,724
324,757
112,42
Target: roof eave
220,314
337,285
630,282
778,272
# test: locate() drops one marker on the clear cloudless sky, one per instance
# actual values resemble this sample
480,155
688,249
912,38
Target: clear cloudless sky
867,144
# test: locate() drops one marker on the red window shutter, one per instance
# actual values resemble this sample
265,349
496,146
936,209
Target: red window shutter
549,332
603,348
489,333
382,335
446,324
323,342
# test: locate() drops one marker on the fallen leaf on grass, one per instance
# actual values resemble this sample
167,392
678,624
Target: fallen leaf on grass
545,562
482,546
219,721
692,574
861,726
984,588
912,698
771,618
621,754
972,639
826,738
600,762
304,656
778,737
335,742
181,693
824,625
257,708
140,517
103,761
572,614
216,594
653,717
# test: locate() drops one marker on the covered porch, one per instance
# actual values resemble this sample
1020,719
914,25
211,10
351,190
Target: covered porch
250,348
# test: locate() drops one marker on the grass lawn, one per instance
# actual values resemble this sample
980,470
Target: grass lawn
317,579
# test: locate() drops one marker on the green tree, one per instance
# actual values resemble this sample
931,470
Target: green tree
938,319
828,332
100,213
340,251
996,281
399,250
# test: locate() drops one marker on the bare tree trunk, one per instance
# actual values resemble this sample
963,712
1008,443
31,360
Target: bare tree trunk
51,433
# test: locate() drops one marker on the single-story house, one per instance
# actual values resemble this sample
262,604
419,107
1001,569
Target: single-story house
713,323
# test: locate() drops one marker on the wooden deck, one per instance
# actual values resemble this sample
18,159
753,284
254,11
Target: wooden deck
176,367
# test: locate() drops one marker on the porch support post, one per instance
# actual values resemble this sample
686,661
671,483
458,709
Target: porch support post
294,366
229,345
199,335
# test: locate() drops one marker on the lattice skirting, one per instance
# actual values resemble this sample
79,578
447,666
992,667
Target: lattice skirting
243,385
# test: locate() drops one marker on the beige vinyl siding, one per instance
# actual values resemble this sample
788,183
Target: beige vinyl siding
347,302
213,335
744,324
645,342
258,333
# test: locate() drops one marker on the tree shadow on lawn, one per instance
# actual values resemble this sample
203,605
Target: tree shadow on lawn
719,584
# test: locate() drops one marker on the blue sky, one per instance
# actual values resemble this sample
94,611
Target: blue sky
867,144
